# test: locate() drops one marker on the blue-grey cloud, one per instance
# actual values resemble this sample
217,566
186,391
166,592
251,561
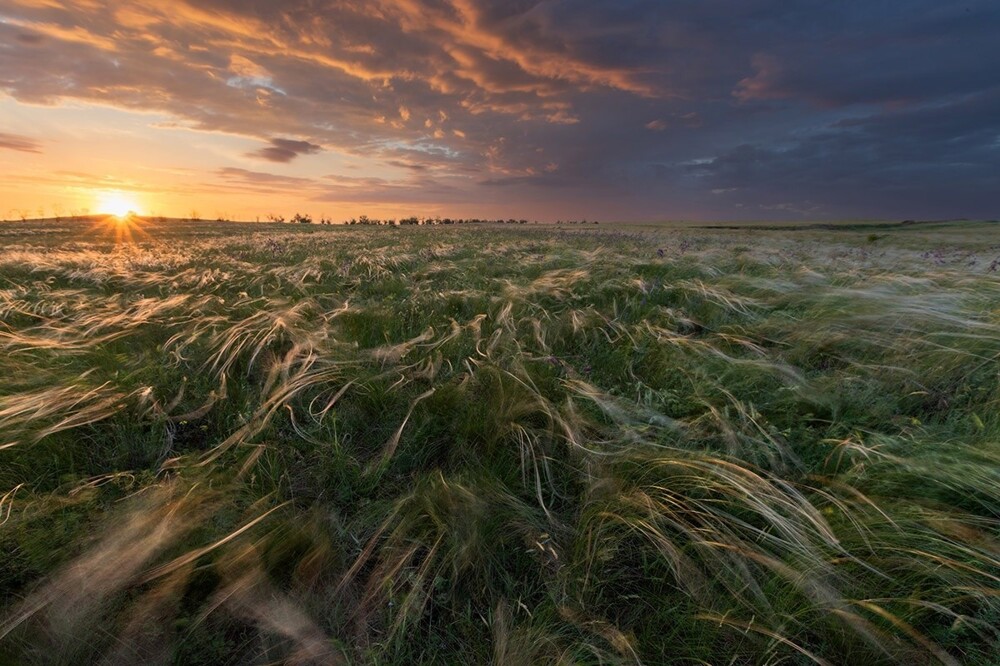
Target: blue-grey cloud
285,150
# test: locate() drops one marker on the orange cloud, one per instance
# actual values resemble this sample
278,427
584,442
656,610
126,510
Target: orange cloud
76,34
462,23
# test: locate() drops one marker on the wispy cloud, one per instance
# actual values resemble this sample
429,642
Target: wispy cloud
21,143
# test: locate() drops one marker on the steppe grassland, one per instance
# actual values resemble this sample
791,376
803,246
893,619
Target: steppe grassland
247,444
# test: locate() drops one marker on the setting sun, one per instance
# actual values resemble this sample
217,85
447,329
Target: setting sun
116,203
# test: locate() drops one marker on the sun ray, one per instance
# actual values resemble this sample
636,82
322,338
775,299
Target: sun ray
120,217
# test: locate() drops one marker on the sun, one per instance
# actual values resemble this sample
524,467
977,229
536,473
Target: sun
116,203
120,217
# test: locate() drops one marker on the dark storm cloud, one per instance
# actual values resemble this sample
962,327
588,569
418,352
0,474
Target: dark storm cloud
21,143
634,108
876,164
891,53
285,150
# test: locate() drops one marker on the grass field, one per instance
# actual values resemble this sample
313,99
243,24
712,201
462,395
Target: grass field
229,443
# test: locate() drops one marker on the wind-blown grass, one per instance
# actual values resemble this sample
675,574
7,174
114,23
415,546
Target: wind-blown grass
246,444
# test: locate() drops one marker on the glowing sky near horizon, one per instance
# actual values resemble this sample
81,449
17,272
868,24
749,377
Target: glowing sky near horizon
633,109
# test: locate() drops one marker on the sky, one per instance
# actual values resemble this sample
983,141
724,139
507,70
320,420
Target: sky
540,109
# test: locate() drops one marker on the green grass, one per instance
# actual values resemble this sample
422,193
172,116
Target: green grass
240,444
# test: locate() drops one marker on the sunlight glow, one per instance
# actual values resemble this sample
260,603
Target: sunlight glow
116,203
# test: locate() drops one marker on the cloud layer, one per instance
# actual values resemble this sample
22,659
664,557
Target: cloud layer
552,108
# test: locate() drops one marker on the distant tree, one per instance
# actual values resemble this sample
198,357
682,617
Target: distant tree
302,219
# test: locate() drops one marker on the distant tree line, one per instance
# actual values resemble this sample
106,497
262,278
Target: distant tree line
427,221
299,218
58,214
414,220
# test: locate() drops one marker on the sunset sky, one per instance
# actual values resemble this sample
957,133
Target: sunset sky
545,109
